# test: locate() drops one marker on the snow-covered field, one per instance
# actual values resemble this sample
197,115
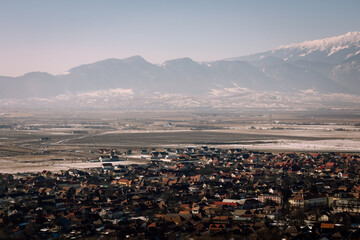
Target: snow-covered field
15,168
302,145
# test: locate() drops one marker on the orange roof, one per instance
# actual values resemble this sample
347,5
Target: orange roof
185,205
217,226
327,225
184,212
221,218
152,225
329,164
226,203
123,180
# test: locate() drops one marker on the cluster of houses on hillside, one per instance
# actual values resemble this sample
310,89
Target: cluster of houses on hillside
202,193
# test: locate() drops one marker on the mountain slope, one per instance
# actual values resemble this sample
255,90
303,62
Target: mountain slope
35,84
133,72
348,73
244,75
291,77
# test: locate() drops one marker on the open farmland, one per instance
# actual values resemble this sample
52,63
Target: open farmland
31,141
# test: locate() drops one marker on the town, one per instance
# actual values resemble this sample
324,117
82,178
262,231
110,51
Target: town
189,193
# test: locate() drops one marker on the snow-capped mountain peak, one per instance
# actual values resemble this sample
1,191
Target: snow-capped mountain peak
337,42
328,50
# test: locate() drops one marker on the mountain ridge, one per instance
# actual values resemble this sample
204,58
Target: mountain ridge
329,65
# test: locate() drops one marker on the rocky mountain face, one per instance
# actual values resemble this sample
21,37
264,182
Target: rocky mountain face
324,66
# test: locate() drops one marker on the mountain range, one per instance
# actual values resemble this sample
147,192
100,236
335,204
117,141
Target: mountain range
325,66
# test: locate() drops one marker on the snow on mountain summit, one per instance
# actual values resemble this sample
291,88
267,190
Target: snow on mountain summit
329,50
338,42
332,50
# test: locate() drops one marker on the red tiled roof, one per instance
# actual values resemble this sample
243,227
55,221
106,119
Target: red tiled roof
216,226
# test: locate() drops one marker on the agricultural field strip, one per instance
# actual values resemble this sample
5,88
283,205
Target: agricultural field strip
191,137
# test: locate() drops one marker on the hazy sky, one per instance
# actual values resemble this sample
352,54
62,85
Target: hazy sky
55,35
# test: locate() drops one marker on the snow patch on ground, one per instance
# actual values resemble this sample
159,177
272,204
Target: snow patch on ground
110,92
300,145
62,166
229,91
